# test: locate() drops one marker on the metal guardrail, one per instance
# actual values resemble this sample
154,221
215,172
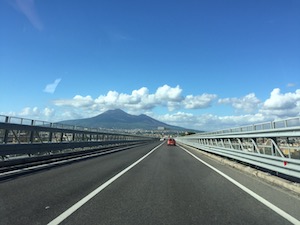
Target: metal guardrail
286,124
54,148
41,123
20,136
274,146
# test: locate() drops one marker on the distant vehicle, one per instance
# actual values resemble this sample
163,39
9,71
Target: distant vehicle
171,141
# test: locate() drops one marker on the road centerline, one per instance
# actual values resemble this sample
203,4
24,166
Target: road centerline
279,211
88,197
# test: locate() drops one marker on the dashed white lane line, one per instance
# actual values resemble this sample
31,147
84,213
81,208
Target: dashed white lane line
80,203
279,211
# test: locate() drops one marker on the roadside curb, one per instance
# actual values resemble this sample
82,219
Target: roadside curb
295,187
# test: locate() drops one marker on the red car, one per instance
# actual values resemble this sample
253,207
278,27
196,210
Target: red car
171,141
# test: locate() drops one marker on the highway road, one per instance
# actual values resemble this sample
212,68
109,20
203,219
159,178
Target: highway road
152,184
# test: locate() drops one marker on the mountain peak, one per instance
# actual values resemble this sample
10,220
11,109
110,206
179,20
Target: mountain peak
114,111
118,119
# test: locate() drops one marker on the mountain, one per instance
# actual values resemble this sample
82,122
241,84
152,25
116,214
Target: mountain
118,119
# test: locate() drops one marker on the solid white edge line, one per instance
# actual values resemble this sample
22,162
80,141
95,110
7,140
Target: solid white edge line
81,202
248,191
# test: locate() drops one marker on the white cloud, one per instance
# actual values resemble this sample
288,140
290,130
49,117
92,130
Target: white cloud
138,99
199,102
36,113
49,112
111,97
277,106
80,101
29,111
178,119
248,103
208,122
282,101
282,105
141,99
50,88
167,96
167,93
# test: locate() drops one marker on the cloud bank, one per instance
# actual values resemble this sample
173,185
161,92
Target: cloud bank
249,103
188,111
282,105
140,100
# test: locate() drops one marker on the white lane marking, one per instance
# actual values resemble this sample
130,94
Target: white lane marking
279,211
81,202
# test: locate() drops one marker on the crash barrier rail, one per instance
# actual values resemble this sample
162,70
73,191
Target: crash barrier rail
276,148
288,124
20,136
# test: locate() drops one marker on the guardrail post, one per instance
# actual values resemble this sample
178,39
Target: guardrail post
31,133
61,137
272,125
7,119
241,147
6,131
285,123
50,134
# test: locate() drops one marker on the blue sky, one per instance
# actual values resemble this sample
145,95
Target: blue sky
206,64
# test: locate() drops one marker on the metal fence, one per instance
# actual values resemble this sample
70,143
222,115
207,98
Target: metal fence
26,136
274,145
289,124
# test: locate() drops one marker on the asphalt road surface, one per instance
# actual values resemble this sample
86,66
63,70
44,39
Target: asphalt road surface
167,186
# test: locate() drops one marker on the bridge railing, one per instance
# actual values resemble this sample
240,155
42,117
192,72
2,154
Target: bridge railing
290,123
19,136
31,122
274,146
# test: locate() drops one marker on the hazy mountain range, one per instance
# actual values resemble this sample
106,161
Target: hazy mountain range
118,119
